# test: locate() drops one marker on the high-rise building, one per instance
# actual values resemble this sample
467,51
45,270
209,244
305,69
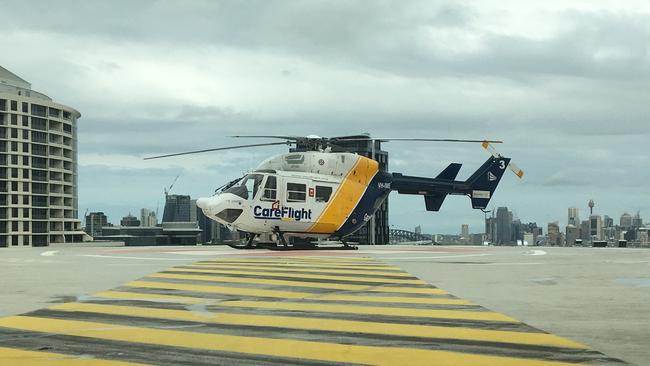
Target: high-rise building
643,237
572,234
476,239
574,219
637,221
504,226
148,218
529,239
626,221
585,230
554,237
376,230
610,232
490,228
464,231
194,209
518,230
177,208
95,221
129,220
38,167
608,221
596,227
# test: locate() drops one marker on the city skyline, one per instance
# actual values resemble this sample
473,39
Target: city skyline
562,225
387,71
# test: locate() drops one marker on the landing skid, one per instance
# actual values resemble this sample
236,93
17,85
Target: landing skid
272,246
240,246
307,247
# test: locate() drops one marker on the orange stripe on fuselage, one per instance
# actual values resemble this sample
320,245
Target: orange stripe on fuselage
347,196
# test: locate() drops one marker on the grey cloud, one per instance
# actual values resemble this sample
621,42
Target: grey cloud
572,107
193,128
387,37
568,177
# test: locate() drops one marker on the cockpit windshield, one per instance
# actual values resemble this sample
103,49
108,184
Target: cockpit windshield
247,187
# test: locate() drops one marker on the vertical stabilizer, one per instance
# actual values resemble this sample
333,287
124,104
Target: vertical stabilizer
485,180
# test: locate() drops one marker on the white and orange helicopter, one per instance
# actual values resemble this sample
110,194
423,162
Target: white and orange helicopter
322,194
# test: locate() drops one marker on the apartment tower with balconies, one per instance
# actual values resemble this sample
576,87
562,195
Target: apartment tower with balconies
38,167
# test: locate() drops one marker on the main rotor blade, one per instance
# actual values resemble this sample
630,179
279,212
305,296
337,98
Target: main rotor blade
343,138
416,139
217,149
269,137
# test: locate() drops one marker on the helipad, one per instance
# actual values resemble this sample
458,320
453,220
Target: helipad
376,306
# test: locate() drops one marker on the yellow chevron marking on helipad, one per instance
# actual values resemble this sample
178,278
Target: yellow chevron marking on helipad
353,260
373,310
332,286
225,290
17,357
274,269
374,319
335,258
329,325
302,264
302,275
392,299
185,299
125,295
321,351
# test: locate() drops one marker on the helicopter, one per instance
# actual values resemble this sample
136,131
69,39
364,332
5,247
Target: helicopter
325,195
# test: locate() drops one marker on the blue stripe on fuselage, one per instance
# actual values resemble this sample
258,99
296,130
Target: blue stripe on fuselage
375,194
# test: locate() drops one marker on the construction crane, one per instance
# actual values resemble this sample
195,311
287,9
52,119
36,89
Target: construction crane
167,190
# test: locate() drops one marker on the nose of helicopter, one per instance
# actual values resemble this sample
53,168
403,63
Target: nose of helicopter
222,207
209,205
203,202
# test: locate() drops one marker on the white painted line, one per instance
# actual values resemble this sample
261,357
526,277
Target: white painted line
397,251
438,257
535,252
202,252
49,253
627,262
514,264
138,258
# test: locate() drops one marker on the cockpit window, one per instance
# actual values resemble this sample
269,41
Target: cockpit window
270,189
247,187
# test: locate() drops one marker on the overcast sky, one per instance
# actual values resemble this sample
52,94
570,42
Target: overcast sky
566,85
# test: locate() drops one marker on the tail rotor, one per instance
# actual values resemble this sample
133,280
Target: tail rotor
515,169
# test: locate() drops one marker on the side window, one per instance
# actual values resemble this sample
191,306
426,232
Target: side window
270,189
296,192
323,193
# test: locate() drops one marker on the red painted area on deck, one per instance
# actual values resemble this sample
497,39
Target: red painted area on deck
297,253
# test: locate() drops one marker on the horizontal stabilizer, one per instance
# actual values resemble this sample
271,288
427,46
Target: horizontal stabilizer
450,172
434,201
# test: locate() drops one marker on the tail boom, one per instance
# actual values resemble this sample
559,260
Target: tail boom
479,187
